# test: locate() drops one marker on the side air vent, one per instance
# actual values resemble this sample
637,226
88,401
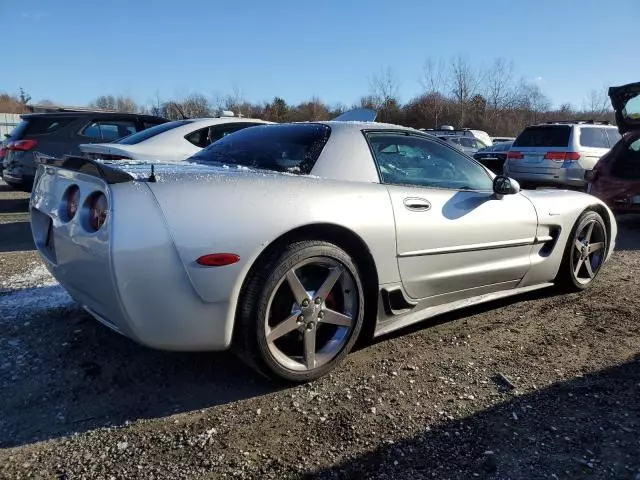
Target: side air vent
395,302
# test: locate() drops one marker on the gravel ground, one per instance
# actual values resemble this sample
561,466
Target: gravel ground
540,386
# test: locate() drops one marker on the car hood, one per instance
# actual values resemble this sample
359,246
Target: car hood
626,103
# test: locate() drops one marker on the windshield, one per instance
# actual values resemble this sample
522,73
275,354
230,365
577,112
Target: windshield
151,132
292,148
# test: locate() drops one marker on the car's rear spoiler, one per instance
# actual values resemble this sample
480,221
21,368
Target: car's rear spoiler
89,167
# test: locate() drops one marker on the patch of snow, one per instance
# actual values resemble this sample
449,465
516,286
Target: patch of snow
31,292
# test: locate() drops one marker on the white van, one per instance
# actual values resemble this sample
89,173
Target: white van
448,130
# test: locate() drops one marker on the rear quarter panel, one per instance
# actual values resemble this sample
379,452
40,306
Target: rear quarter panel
243,214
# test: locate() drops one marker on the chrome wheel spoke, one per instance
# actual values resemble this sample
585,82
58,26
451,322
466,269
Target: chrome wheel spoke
594,247
284,327
335,318
578,244
298,290
578,266
310,347
587,264
328,284
587,235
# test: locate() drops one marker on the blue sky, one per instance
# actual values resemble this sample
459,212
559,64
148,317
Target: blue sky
72,51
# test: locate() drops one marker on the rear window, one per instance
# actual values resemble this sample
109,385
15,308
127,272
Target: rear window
152,132
292,148
40,126
593,137
614,136
544,136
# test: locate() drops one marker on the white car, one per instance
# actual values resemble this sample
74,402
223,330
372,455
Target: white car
170,141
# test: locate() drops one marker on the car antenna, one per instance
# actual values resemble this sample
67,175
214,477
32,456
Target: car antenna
152,177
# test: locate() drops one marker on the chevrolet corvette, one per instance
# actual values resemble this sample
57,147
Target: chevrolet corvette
288,242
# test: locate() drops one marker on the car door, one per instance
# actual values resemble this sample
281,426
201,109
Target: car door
454,236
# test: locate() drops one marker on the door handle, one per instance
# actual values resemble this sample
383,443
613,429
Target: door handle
417,204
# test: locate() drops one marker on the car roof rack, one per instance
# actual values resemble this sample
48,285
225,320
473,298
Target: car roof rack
578,122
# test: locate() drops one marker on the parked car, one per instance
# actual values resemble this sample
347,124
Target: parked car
3,151
171,141
61,133
468,145
559,153
271,242
448,130
616,177
493,156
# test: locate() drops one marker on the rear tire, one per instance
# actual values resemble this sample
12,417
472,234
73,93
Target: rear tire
584,253
300,312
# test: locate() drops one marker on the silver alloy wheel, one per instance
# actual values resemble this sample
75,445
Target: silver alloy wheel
311,313
588,251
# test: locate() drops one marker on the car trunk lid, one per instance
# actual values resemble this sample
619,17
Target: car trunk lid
540,149
626,103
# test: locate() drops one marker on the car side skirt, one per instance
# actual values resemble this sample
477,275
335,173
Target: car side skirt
388,324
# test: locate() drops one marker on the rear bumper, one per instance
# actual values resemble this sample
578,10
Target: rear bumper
23,183
572,177
128,275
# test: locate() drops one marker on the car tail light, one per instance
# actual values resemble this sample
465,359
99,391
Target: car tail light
98,209
562,156
511,155
71,201
21,145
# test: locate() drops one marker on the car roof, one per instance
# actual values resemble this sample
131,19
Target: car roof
571,123
204,121
88,114
344,125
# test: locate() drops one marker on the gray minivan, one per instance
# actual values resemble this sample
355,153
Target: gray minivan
558,153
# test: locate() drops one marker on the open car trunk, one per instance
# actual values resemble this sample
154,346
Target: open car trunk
625,100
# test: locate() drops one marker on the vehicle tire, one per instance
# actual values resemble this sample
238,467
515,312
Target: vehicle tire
584,253
300,312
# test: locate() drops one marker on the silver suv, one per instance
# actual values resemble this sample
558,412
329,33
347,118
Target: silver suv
558,153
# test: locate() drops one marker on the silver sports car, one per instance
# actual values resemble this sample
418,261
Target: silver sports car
288,242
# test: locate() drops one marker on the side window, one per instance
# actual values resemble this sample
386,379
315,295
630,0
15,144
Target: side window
109,130
206,136
614,136
199,137
478,144
593,138
419,161
467,142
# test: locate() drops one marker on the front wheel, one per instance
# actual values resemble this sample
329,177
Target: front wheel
584,254
300,312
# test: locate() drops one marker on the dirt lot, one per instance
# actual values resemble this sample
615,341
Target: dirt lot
79,401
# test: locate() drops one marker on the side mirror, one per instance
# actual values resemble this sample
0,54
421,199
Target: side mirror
503,185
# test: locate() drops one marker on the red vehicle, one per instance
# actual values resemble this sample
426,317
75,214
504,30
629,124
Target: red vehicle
616,177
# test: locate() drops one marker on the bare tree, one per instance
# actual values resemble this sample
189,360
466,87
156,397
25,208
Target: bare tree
385,87
465,82
119,103
498,90
597,103
195,105
433,80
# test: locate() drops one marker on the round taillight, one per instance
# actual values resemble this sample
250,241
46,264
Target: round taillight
71,200
98,209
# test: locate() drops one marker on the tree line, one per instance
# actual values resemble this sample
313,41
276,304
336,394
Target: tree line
453,92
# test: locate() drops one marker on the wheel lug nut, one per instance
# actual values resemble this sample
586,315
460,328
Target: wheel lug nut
318,301
301,318
305,303
321,315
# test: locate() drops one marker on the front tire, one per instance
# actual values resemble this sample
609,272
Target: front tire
300,312
584,254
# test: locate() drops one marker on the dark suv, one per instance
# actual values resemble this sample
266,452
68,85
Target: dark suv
61,133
